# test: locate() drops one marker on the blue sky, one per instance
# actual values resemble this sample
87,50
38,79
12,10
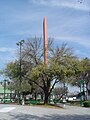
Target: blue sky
68,21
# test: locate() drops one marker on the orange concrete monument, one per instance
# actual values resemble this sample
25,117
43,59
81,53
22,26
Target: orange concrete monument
45,36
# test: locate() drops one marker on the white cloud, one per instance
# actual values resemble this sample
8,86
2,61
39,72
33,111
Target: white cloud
81,41
75,4
4,49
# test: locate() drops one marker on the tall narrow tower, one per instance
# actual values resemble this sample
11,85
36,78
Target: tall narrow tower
45,36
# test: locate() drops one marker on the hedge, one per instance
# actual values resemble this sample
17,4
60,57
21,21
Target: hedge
86,104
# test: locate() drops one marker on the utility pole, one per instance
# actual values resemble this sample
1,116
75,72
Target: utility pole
20,43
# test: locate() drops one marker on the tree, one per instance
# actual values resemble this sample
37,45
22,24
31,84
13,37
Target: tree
32,51
86,76
60,67
12,71
31,56
83,74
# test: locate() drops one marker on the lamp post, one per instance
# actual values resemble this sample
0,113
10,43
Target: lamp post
20,74
4,89
81,81
5,83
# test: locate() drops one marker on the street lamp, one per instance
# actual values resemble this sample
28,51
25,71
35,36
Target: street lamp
20,43
81,82
5,84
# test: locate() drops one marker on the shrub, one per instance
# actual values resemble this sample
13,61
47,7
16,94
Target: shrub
86,104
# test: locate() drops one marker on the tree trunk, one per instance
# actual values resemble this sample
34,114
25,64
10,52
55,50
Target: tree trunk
46,98
35,94
41,96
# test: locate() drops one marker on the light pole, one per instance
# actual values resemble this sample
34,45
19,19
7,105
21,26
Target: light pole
20,71
81,81
4,82
4,89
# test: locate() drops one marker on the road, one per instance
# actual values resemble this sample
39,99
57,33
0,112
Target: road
17,112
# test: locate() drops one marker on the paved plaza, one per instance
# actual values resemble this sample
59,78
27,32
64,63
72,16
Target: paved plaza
17,112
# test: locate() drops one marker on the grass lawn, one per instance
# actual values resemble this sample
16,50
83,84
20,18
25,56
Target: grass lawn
48,105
